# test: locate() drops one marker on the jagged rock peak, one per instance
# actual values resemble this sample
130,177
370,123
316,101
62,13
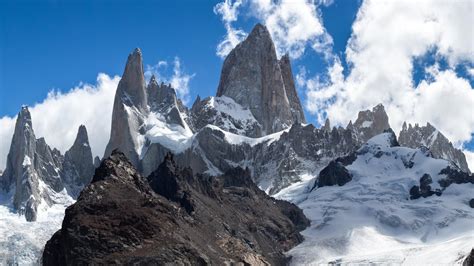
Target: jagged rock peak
29,162
133,81
153,81
252,77
82,137
327,125
116,165
78,166
24,115
371,122
295,104
430,137
130,110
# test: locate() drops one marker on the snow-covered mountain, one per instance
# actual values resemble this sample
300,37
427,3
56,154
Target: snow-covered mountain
37,175
393,205
358,184
256,96
36,186
430,137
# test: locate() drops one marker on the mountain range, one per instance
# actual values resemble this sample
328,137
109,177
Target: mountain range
213,170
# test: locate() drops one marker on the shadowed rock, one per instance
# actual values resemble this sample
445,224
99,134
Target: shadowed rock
181,219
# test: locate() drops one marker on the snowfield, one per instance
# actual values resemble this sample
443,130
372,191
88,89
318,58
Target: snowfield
22,242
372,220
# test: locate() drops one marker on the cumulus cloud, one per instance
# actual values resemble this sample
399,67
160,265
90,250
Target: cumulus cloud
293,25
58,117
228,10
386,37
179,79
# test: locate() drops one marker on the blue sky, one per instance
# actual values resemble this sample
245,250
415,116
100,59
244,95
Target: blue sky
49,45
417,58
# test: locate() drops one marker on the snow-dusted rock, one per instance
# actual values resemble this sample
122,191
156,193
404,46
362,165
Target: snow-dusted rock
225,113
430,137
252,77
33,169
371,218
129,111
370,123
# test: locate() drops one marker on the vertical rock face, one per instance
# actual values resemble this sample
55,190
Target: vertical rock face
20,173
370,123
31,167
23,144
295,104
78,168
130,106
430,137
252,77
96,161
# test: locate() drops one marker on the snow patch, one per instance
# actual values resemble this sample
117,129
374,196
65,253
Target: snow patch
26,161
172,136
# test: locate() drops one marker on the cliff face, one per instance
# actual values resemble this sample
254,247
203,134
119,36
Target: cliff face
165,218
253,77
430,137
130,108
35,173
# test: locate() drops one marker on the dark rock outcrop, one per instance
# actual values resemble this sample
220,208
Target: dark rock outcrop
333,174
428,136
455,176
121,218
96,161
469,260
424,189
253,77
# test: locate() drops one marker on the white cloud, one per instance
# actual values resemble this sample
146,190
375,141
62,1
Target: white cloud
386,36
179,80
293,24
469,159
229,13
58,117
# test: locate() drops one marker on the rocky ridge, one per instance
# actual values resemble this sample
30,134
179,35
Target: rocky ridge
164,218
430,137
35,173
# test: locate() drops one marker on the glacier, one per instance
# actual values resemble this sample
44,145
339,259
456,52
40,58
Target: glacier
372,220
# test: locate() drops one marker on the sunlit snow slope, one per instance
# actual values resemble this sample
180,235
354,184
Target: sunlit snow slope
371,218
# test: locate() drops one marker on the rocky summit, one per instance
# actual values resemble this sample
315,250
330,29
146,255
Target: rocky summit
38,175
174,216
252,76
428,136
130,105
